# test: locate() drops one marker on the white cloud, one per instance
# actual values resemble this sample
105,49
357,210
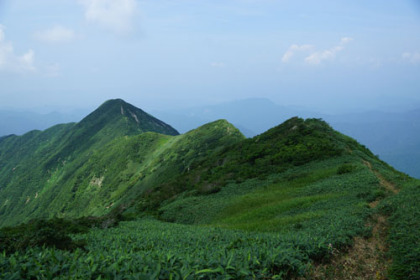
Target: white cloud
116,15
320,56
411,57
56,34
346,40
9,61
315,57
293,49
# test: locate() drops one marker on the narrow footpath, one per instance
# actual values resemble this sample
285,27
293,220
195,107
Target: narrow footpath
367,259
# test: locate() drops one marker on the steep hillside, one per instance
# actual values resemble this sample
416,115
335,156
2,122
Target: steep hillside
36,169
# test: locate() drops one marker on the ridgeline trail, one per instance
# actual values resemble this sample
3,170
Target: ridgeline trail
366,259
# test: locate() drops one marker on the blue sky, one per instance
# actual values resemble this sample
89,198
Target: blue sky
324,55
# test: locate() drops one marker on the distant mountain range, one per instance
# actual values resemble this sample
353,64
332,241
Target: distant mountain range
395,137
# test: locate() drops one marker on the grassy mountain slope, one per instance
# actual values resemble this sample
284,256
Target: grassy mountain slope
41,171
296,201
129,166
301,171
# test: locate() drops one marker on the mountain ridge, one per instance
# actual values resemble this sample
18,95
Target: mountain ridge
254,116
115,153
393,135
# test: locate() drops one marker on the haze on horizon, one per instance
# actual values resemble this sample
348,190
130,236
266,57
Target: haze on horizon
332,56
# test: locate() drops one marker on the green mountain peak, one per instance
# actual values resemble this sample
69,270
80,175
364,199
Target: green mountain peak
125,118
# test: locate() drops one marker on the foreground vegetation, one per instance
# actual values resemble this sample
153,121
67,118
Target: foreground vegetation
306,215
156,250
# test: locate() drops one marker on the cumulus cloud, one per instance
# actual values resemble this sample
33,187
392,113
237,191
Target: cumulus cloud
56,34
320,56
11,62
315,57
116,15
294,49
411,57
345,40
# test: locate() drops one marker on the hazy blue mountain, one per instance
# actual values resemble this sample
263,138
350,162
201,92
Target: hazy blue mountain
20,122
395,137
